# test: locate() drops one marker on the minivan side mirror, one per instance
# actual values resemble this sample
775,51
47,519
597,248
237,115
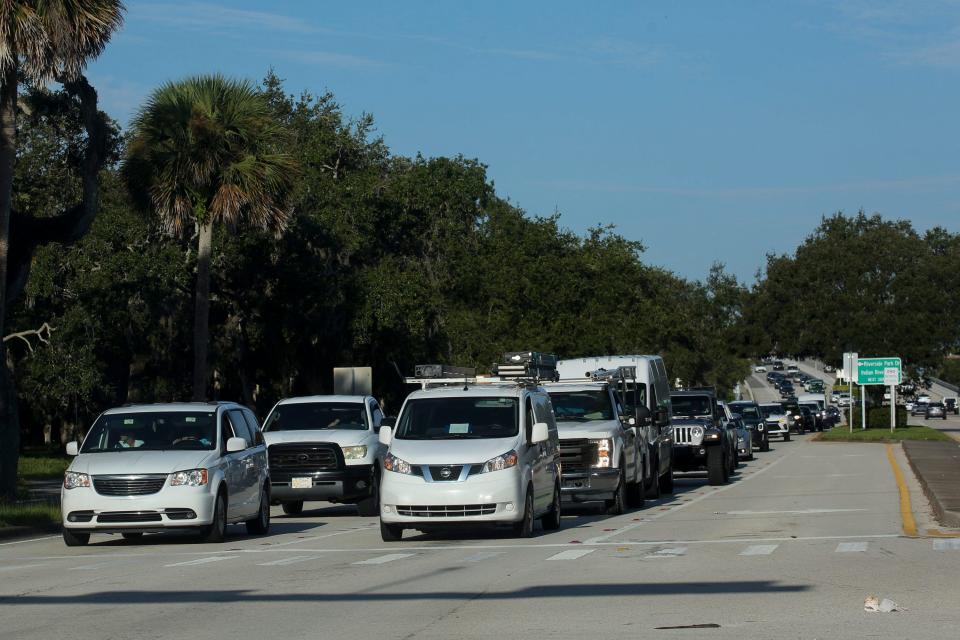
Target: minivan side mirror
539,433
236,444
386,433
73,448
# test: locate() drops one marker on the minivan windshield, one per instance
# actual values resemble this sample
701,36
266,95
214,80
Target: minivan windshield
152,431
691,405
472,417
593,404
316,416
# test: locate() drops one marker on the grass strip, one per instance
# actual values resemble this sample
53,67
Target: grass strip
39,467
41,516
910,432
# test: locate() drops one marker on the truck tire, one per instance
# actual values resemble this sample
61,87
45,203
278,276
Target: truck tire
615,505
294,508
370,506
716,466
653,491
666,480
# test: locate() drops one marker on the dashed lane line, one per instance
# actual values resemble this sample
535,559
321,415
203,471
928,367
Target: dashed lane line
390,557
486,555
851,547
669,552
803,512
199,561
759,550
571,554
284,561
22,566
946,545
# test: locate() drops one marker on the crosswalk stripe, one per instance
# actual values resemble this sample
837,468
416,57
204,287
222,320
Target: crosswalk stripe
283,561
670,552
390,557
480,557
193,563
759,550
946,545
851,547
571,554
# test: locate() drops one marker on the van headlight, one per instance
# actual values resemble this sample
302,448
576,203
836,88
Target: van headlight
74,480
190,478
356,452
604,452
501,462
395,464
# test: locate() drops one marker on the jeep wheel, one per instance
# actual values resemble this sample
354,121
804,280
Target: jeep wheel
524,528
786,436
390,532
370,506
765,444
551,519
716,466
294,508
615,505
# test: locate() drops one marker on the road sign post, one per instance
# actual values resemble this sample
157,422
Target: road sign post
891,377
849,372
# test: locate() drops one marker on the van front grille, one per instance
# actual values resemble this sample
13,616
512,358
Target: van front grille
446,511
132,485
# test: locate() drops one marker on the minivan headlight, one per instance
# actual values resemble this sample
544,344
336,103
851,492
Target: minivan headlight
189,478
604,452
501,462
73,480
395,464
355,452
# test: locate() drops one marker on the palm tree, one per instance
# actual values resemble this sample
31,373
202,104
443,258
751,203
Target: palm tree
40,40
209,151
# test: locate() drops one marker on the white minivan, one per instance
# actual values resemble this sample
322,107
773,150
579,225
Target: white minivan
470,453
161,467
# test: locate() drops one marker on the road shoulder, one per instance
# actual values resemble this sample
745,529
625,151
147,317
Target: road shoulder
936,466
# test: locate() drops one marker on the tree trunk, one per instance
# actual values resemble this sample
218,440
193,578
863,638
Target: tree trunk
9,425
201,318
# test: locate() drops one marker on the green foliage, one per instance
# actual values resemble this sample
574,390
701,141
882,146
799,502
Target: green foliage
34,467
912,432
878,417
41,516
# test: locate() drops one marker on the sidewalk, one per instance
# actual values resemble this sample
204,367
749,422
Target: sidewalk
937,467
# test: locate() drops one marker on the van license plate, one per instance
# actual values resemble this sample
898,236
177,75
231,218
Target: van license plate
301,483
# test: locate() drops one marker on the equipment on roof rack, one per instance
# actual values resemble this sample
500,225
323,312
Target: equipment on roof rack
443,371
532,366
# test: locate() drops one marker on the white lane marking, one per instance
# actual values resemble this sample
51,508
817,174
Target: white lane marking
571,554
946,545
199,561
283,561
486,555
829,475
759,550
328,535
795,512
4,544
669,552
390,557
851,547
683,505
22,566
92,567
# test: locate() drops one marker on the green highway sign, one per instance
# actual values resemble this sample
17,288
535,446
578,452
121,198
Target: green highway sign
879,371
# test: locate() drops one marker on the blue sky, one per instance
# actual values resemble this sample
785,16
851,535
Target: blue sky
710,131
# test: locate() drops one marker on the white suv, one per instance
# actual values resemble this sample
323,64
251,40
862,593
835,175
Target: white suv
471,454
163,467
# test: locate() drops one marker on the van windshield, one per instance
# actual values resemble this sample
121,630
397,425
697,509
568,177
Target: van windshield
152,431
459,418
582,405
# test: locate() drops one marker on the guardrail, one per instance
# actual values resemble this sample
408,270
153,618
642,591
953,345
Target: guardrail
946,385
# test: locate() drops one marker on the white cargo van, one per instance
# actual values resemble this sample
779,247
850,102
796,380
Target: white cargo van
653,393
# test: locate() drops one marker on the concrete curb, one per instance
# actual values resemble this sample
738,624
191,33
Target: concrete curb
937,467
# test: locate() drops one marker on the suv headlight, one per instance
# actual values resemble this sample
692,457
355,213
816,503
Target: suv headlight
503,461
696,435
395,464
190,478
73,480
356,452
604,452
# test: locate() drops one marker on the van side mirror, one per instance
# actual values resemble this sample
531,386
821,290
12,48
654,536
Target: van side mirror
539,433
73,448
386,434
236,444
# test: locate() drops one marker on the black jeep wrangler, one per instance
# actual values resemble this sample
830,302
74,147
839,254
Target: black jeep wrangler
701,440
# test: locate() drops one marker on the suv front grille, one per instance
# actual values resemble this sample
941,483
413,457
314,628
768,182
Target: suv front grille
446,511
683,435
133,485
576,456
319,456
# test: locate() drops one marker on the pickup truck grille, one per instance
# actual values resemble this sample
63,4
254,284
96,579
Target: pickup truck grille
313,456
576,456
446,511
134,485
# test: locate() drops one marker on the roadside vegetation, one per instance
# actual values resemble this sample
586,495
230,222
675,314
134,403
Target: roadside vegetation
36,516
911,432
38,467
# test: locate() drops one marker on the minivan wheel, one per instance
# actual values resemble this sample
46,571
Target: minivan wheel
72,539
370,506
615,505
716,466
666,480
551,519
524,528
294,508
390,532
261,524
653,491
217,529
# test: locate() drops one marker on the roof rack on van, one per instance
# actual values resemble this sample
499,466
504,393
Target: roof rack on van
518,367
611,375
528,366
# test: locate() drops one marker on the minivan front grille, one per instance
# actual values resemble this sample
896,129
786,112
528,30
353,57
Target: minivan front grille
318,456
132,485
446,511
130,516
576,456
446,473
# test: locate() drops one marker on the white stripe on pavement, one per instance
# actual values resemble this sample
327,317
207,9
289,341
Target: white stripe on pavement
22,566
92,567
199,561
801,512
480,557
946,545
670,552
851,547
571,554
759,550
390,557
283,561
